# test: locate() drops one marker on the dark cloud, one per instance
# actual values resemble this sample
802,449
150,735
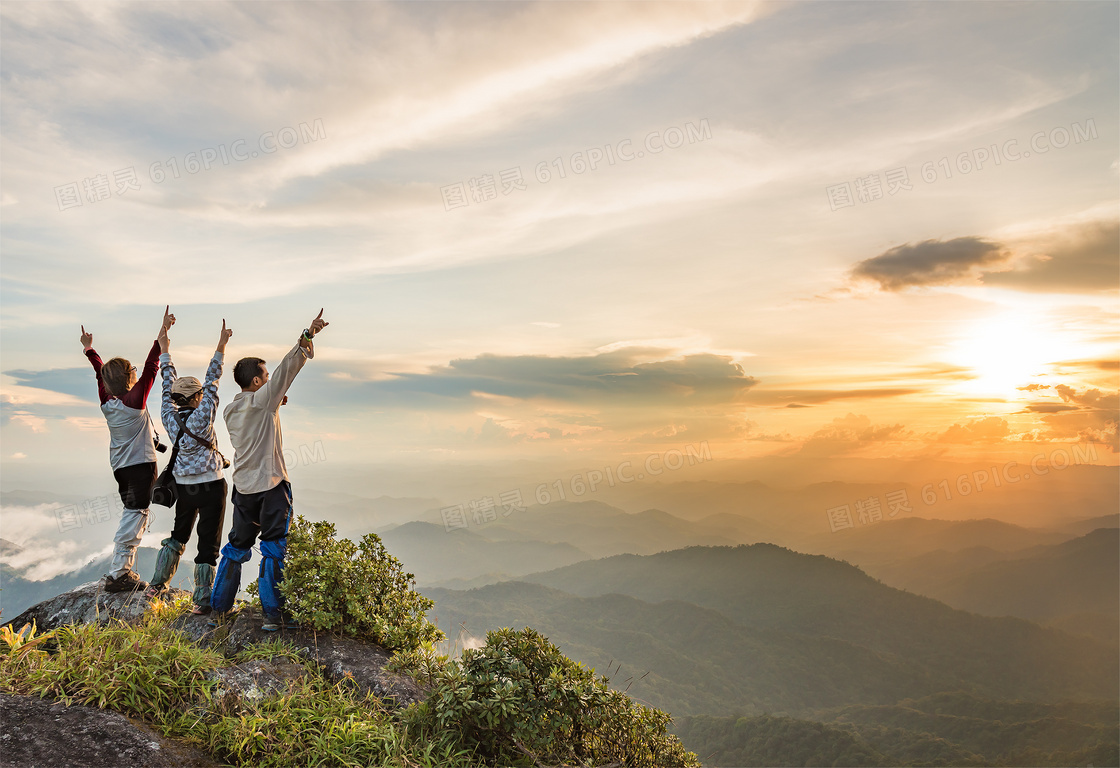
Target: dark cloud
1080,259
931,262
615,377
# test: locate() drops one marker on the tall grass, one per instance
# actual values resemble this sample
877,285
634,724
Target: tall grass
148,670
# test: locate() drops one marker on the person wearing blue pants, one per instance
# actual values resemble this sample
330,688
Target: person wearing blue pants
262,495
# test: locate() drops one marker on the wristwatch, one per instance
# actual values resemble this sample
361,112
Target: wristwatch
307,334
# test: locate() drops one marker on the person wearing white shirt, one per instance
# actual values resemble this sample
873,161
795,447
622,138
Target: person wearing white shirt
262,495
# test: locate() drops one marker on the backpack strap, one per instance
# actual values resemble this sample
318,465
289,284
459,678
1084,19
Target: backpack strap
184,429
174,453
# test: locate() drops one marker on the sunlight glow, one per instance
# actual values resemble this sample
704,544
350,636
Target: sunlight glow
1005,352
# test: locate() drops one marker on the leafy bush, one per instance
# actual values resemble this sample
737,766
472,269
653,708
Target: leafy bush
355,589
424,664
519,700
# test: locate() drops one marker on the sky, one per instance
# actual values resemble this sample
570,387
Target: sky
567,231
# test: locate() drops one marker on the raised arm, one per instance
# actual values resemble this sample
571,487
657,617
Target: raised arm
94,360
167,368
167,405
273,391
138,395
204,413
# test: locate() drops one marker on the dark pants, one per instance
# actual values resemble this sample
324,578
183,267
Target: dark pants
135,484
205,502
265,514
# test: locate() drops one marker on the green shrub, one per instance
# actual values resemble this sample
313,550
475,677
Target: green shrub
519,700
354,589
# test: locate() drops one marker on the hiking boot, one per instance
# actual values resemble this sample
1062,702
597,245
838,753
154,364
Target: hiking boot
276,623
128,581
153,591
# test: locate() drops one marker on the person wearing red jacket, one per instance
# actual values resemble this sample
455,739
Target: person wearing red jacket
132,450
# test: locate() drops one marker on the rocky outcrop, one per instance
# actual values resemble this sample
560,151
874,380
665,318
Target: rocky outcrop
94,738
255,680
86,604
358,663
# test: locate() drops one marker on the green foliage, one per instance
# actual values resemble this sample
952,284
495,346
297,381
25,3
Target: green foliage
142,670
519,700
23,641
320,723
424,664
355,589
152,672
275,648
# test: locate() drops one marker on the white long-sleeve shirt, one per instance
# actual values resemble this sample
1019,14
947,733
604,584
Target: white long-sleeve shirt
253,421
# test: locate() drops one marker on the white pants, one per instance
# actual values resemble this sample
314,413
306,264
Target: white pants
134,522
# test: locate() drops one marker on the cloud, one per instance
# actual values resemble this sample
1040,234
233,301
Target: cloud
1090,415
409,100
1048,408
931,262
990,429
1068,257
850,433
616,377
1081,258
801,398
79,383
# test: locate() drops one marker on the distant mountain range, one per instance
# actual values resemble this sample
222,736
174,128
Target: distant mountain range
1073,584
435,554
18,594
764,629
942,729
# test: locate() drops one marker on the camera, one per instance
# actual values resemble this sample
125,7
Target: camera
159,446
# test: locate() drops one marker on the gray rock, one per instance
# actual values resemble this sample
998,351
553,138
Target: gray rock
252,681
359,663
86,604
40,732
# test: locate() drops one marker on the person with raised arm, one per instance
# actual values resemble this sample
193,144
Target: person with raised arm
132,450
189,408
262,495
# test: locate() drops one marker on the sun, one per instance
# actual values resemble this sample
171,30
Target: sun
1004,352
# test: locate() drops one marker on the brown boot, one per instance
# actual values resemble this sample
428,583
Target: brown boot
126,582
